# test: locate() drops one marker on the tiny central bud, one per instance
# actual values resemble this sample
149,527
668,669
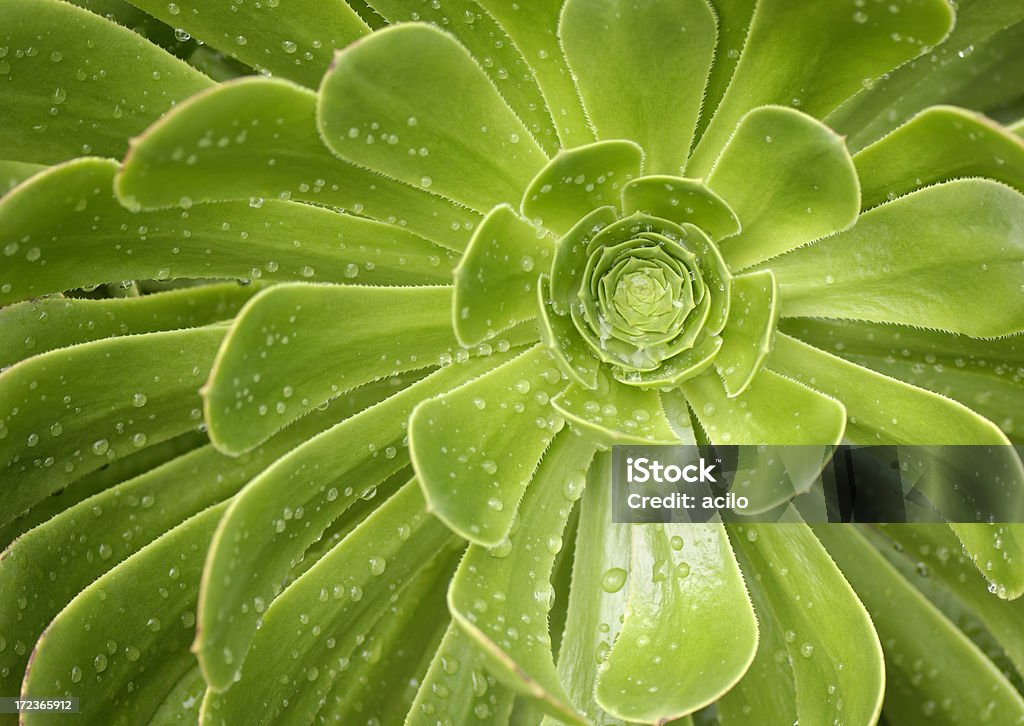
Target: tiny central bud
640,294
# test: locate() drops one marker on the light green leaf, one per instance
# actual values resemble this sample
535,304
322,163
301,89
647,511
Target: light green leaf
563,341
317,626
1018,128
749,330
918,640
597,595
614,413
501,597
475,449
685,365
773,410
787,43
103,82
131,626
285,510
651,98
835,668
495,278
977,373
88,539
488,42
295,41
996,551
13,173
689,632
579,180
534,29
57,425
946,257
412,86
984,37
268,372
681,200
939,144
790,180
39,326
571,252
257,138
69,231
447,692
181,706
734,18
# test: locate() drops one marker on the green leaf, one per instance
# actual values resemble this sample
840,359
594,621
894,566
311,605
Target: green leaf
984,36
534,29
977,373
495,278
257,138
918,641
501,597
685,365
946,257
651,98
38,326
69,231
475,449
787,42
773,410
614,413
996,551
789,179
283,511
939,144
825,662
681,200
13,173
486,40
734,18
131,626
182,702
312,632
295,41
412,86
749,330
571,253
447,693
267,372
103,82
577,181
58,425
689,632
563,341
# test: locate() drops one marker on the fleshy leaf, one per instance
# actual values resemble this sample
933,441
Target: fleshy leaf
571,253
446,692
789,179
257,138
131,626
685,365
689,632
39,326
615,413
835,668
69,231
485,38
747,336
534,29
559,334
914,632
858,43
289,671
475,449
946,257
681,200
103,82
939,144
579,180
734,18
13,173
495,279
651,98
58,425
501,597
295,41
996,551
322,477
412,86
267,372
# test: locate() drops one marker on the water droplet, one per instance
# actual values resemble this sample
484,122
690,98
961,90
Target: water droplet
613,579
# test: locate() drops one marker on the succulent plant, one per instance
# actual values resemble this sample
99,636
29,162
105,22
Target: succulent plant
320,319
